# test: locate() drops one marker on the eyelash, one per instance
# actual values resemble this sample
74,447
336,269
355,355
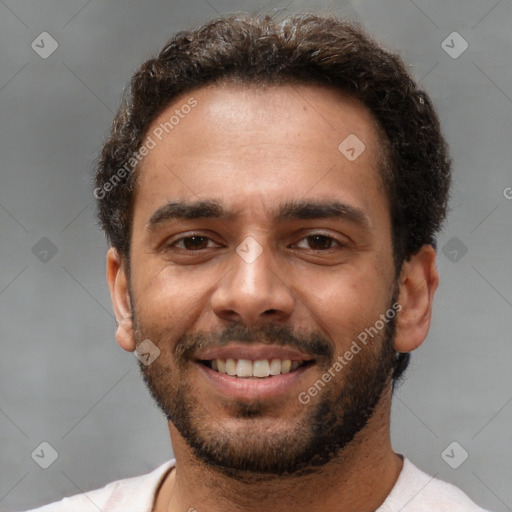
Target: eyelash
338,243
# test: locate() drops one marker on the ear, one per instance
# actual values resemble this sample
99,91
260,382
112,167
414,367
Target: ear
418,282
118,284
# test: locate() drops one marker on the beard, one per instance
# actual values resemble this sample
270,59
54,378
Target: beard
257,441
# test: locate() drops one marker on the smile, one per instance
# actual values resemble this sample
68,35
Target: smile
253,371
261,368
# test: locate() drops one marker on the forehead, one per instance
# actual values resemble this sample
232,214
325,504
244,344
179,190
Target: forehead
227,140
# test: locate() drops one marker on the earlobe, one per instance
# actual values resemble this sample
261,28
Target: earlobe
119,293
418,283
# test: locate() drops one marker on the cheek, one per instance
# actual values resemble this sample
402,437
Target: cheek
344,303
170,301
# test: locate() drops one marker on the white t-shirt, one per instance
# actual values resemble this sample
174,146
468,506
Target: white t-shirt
414,491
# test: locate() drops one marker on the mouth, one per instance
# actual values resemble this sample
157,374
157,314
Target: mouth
255,369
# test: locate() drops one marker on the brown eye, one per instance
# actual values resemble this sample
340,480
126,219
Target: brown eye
319,242
192,243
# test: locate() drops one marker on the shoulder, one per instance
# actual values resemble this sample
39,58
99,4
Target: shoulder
135,493
416,491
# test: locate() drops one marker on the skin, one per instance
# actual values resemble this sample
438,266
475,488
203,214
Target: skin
253,149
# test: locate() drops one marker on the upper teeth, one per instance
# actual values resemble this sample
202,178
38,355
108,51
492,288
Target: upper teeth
259,368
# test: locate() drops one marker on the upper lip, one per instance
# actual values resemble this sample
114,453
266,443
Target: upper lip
253,352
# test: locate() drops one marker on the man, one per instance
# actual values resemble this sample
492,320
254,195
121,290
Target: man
271,191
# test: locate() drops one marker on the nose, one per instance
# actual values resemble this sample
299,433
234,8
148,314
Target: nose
251,291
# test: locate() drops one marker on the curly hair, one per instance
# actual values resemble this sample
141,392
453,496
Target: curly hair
303,48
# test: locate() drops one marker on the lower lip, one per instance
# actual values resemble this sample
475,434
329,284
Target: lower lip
253,388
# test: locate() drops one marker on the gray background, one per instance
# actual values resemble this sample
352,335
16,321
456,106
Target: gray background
65,381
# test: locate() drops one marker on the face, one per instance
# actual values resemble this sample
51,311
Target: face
261,248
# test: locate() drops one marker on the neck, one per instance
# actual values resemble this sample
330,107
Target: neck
358,480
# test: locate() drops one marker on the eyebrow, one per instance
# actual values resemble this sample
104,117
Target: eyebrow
303,210
187,210
290,210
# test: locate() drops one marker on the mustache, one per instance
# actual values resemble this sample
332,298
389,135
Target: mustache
313,343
